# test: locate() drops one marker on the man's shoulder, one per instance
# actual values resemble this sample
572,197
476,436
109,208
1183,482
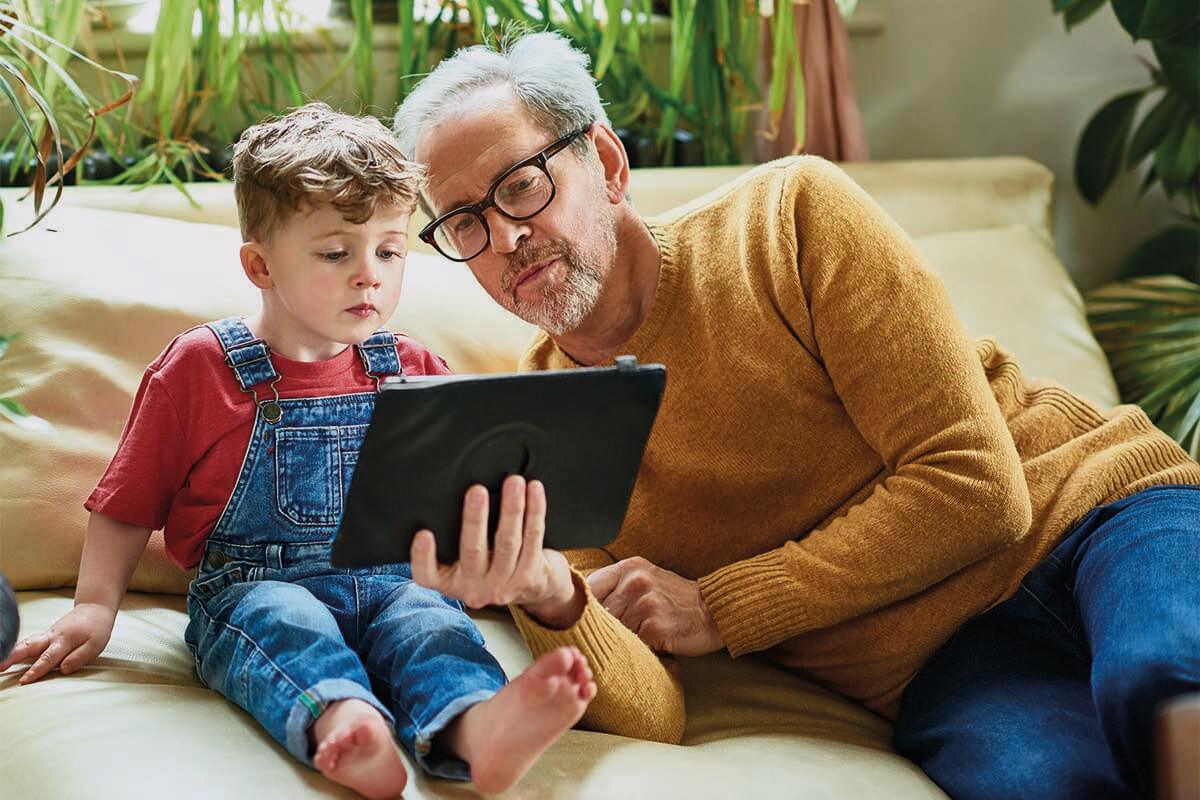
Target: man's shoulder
775,182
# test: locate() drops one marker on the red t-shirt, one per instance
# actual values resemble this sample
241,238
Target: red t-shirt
182,448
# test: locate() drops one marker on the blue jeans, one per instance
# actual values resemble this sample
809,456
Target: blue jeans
286,643
1053,693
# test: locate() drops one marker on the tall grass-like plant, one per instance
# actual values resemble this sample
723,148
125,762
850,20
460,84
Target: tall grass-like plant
1149,328
710,88
34,78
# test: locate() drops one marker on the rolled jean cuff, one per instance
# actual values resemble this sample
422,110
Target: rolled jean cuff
313,702
439,763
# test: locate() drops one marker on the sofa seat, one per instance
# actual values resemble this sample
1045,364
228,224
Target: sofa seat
104,284
137,723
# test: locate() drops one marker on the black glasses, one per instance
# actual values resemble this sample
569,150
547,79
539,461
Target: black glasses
522,192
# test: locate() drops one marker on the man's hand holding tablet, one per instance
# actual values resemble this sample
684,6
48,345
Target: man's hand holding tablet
516,570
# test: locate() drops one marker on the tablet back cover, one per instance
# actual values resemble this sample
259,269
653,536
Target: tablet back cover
581,432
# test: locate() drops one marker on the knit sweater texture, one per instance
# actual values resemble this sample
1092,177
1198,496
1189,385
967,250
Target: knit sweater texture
847,475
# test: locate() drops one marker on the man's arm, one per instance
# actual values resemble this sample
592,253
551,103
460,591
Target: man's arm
909,378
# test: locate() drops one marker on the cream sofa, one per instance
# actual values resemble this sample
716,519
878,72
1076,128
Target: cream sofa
114,274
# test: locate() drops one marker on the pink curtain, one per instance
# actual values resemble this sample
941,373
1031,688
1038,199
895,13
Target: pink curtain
834,128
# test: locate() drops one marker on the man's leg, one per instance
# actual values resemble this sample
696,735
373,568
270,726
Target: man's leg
1003,711
1138,588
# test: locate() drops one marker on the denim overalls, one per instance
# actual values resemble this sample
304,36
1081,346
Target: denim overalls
280,632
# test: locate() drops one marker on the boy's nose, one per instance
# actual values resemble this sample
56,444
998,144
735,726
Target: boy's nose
366,275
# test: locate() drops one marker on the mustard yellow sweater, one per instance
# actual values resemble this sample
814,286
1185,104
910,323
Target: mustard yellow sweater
846,474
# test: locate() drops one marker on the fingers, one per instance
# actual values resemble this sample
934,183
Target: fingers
425,568
78,657
48,660
473,544
604,580
27,649
534,533
509,531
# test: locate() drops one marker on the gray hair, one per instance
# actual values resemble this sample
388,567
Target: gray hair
548,76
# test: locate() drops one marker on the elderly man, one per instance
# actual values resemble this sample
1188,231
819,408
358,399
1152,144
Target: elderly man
838,478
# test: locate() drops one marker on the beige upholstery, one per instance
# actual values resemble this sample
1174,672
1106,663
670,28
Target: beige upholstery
99,295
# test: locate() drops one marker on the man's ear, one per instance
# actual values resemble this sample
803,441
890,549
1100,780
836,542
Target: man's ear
254,264
614,160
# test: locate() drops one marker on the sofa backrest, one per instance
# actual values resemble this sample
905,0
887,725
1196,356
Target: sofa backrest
100,288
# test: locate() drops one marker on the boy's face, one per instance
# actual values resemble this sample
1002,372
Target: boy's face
327,280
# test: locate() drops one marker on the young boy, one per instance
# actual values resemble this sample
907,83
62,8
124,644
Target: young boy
241,451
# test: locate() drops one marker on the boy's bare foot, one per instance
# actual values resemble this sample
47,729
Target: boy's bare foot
355,748
501,737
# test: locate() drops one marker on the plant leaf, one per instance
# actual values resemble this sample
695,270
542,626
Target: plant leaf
1179,57
1098,158
7,339
1154,128
1155,19
1178,157
10,407
1079,10
1174,251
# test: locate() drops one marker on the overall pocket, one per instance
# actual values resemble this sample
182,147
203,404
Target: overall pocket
313,467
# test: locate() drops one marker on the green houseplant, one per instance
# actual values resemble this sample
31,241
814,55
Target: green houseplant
56,119
1168,135
1148,321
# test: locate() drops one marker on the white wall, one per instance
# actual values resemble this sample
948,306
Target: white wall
992,77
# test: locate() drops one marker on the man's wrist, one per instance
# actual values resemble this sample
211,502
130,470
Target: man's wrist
564,609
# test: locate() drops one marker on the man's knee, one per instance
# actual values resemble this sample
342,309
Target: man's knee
1132,684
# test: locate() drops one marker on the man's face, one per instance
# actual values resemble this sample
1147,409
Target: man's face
548,270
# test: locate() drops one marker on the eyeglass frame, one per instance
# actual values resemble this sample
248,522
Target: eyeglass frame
539,159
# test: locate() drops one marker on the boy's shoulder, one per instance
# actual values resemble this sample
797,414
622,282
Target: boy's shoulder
416,358
193,348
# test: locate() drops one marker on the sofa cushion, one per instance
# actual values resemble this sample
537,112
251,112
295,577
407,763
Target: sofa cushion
139,726
1007,283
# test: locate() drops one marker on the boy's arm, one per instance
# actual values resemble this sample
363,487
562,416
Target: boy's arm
111,551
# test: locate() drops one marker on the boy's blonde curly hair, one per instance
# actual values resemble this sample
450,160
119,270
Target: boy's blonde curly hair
314,155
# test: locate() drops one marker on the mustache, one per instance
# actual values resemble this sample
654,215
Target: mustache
530,254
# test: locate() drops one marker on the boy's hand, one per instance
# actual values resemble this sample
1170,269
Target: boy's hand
517,571
79,636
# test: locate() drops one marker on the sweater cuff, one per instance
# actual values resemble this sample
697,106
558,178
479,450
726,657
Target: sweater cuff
755,603
592,633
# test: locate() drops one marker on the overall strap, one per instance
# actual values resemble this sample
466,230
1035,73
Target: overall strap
378,355
247,355
250,359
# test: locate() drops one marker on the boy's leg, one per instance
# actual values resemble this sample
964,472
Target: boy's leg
427,656
1139,602
1003,711
270,647
453,709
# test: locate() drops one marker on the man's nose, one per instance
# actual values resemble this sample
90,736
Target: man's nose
506,233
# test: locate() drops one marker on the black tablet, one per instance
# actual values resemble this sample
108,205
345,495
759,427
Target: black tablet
581,432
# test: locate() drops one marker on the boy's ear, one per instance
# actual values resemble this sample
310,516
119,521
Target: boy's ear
254,264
